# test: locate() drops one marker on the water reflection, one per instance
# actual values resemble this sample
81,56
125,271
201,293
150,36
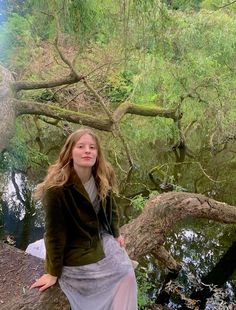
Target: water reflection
21,216
206,251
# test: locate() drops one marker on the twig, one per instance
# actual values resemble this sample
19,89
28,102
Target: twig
225,5
119,166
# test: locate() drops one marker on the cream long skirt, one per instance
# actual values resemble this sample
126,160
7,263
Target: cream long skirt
109,284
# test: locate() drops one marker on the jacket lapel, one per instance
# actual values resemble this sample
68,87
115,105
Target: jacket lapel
75,181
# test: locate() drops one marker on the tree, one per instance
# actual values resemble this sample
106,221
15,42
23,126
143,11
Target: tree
185,61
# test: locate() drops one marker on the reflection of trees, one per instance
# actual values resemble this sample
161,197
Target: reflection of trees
180,154
199,267
218,275
19,211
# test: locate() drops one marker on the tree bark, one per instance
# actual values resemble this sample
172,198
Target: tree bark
53,111
18,271
144,235
7,109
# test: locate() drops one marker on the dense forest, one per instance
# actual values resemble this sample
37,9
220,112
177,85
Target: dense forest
156,80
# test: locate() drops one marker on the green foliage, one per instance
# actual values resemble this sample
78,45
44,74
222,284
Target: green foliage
15,34
148,131
42,23
138,202
183,4
90,18
144,288
85,19
212,4
119,86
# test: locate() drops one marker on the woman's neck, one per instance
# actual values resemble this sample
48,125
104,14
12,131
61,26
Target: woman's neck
84,173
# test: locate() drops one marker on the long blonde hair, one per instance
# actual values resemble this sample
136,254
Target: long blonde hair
59,172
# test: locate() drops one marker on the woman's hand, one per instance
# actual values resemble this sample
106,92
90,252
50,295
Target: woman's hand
44,282
120,240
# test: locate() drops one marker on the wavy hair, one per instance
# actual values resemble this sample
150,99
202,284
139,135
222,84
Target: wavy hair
60,172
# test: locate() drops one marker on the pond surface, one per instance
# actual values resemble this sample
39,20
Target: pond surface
205,249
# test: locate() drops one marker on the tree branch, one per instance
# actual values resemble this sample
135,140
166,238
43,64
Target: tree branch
23,85
225,5
146,234
149,110
37,108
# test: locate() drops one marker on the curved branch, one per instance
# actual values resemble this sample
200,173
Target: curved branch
147,233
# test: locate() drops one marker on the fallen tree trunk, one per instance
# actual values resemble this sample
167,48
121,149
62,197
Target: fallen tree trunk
144,235
147,233
18,271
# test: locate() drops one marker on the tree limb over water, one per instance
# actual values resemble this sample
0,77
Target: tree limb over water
11,108
144,235
147,233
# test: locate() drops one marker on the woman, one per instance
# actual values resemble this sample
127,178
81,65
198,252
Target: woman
83,245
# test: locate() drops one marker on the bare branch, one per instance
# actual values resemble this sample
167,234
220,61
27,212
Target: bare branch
225,5
99,98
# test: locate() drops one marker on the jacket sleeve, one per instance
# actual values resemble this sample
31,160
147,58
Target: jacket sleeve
114,217
55,232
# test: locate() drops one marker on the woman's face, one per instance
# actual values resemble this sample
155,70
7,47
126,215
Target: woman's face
84,153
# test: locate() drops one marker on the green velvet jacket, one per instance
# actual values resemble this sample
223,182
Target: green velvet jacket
72,234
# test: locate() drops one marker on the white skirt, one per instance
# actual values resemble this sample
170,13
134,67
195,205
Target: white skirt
106,285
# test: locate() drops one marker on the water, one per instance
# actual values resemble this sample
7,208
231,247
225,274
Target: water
206,251
22,217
